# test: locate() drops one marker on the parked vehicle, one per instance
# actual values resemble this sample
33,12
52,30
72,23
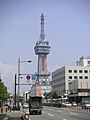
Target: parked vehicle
85,104
74,104
26,105
35,105
67,104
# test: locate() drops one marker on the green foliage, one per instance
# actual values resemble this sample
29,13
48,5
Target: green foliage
3,91
50,95
52,104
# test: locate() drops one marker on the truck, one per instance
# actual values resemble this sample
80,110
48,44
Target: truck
35,105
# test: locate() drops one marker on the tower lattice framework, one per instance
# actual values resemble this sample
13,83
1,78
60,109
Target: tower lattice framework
42,49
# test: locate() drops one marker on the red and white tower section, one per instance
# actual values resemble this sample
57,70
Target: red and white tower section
42,49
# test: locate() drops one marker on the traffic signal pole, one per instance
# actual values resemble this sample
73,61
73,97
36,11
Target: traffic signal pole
18,78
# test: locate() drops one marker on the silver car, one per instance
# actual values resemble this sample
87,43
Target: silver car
85,104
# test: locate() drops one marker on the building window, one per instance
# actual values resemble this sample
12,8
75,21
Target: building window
80,71
85,71
75,77
88,62
70,77
70,71
86,77
75,71
80,77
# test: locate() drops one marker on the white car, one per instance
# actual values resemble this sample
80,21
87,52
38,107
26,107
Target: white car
67,104
74,104
25,105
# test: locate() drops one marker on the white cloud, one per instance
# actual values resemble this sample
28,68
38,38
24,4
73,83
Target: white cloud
7,72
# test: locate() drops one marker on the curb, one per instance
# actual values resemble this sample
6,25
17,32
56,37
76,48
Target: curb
5,118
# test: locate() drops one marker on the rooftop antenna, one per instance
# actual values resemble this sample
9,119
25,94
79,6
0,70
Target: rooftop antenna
42,35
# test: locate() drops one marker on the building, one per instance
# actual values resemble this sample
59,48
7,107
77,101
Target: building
84,61
42,49
79,89
63,77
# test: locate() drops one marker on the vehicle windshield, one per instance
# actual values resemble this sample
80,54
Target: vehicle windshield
67,102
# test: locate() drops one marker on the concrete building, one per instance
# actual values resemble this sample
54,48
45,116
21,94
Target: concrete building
84,61
80,88
62,77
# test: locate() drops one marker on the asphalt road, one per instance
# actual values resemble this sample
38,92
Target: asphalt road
2,116
52,113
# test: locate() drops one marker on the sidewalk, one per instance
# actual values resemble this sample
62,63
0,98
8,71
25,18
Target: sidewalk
77,108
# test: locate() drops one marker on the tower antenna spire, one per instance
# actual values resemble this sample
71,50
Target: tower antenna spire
42,49
42,35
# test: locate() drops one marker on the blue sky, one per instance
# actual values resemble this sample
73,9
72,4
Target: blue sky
67,28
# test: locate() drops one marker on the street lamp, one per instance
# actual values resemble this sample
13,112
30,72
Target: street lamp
19,61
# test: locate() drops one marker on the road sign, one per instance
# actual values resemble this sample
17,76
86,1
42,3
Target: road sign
28,77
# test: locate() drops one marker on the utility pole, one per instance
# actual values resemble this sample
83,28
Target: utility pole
18,78
15,89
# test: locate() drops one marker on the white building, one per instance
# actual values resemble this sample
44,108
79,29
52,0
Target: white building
65,75
84,61
80,88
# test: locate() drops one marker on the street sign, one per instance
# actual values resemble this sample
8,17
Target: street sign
28,77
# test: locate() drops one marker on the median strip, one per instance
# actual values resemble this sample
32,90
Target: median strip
73,113
59,110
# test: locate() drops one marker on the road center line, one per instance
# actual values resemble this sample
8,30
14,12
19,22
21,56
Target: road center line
59,110
73,113
50,114
5,118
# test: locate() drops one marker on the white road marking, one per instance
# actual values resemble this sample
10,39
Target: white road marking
50,114
59,110
64,119
5,118
50,109
8,114
73,113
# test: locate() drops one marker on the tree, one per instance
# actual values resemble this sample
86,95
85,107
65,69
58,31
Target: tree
53,94
50,95
3,91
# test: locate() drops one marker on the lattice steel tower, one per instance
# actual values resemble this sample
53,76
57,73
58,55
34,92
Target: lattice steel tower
42,49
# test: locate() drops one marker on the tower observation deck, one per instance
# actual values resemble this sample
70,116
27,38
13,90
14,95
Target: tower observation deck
42,49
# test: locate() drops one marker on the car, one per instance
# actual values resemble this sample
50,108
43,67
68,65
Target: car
16,107
74,104
67,104
85,104
25,105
